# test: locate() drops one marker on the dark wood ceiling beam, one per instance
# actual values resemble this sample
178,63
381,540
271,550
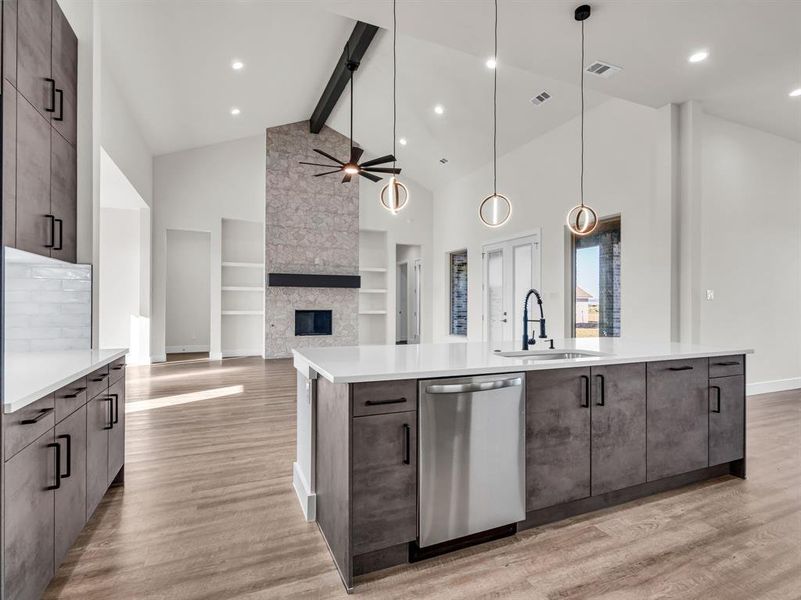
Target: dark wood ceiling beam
363,34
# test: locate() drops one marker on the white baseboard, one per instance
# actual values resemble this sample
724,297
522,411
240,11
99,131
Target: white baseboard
158,358
239,353
308,500
186,349
776,385
215,355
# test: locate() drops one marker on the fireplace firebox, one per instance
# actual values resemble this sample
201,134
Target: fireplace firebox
312,322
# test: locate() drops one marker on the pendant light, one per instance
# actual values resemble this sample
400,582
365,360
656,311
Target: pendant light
496,208
582,220
394,195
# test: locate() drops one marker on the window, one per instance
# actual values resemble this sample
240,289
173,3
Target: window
596,281
458,295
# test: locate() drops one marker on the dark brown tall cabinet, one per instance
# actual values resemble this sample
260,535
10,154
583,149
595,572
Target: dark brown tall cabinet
40,82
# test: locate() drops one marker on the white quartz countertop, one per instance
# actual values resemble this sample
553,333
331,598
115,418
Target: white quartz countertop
29,376
351,364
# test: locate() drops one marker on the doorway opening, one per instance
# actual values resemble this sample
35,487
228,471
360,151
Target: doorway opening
188,314
408,293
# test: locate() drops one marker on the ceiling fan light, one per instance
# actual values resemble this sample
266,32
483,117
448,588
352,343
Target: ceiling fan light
351,169
394,196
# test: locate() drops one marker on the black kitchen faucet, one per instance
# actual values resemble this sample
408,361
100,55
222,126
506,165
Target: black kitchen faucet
526,339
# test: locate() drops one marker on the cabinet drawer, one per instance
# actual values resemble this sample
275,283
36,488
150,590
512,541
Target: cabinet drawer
116,371
22,427
724,366
70,398
97,382
381,397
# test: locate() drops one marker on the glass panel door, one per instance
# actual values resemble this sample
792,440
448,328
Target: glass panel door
496,314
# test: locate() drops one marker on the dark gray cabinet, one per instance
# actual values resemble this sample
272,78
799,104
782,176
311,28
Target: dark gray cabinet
384,480
70,497
98,424
678,417
9,8
116,435
9,163
29,480
557,437
65,74
618,427
34,54
63,198
726,419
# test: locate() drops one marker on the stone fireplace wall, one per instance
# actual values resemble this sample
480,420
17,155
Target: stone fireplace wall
312,227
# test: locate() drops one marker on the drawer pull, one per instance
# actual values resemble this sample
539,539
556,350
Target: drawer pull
685,368
728,363
585,400
380,402
76,393
717,389
118,368
602,391
67,437
58,467
111,415
407,442
100,377
42,414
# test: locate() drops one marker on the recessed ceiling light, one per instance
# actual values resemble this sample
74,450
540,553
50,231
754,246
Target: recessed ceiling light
235,111
439,109
795,93
402,141
699,56
491,62
237,65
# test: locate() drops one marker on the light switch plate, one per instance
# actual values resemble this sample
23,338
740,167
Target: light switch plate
710,294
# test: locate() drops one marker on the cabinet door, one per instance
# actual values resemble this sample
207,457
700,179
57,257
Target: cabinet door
557,437
9,163
618,427
678,421
384,481
65,73
726,419
9,8
70,500
116,435
98,424
63,198
34,230
29,478
34,54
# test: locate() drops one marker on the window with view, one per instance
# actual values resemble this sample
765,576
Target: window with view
458,292
596,281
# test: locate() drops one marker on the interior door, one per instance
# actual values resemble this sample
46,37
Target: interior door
416,304
401,301
511,268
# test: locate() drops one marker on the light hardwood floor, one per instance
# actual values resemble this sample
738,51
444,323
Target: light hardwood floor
208,512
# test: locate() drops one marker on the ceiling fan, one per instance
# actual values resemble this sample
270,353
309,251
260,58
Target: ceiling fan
352,166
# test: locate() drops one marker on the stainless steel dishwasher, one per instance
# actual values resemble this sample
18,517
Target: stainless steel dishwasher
472,462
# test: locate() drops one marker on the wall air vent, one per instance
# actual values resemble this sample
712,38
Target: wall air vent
540,98
602,69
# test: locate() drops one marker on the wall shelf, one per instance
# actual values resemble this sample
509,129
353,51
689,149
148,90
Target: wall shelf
372,312
244,265
373,269
372,291
243,312
242,288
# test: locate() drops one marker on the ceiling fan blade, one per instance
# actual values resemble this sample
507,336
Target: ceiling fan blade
382,170
356,154
379,161
328,156
315,164
369,176
346,178
327,172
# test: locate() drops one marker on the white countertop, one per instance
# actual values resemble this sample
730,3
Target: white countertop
32,375
351,364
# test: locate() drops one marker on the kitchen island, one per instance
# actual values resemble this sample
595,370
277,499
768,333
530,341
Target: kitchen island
406,452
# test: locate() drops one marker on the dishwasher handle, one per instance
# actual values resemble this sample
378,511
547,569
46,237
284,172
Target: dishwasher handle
466,388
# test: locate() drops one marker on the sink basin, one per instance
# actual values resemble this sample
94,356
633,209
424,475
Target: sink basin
549,354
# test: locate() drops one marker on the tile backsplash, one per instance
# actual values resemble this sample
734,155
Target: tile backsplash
47,307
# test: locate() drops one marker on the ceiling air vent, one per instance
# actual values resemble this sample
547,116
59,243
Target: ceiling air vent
602,69
540,98
444,161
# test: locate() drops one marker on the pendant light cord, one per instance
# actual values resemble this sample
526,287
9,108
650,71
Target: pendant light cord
582,114
495,109
394,78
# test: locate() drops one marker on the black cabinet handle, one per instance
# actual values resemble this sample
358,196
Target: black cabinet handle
111,415
602,393
42,414
58,467
585,400
407,443
76,393
67,437
60,116
60,235
728,363
717,389
116,410
52,241
100,377
685,368
52,107
380,402
118,367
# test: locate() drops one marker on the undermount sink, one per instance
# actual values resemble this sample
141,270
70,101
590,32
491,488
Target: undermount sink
549,354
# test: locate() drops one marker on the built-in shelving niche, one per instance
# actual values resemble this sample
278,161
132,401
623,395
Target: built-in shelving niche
373,269
242,290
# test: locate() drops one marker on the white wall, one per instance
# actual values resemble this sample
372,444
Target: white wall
188,311
194,190
626,171
750,249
